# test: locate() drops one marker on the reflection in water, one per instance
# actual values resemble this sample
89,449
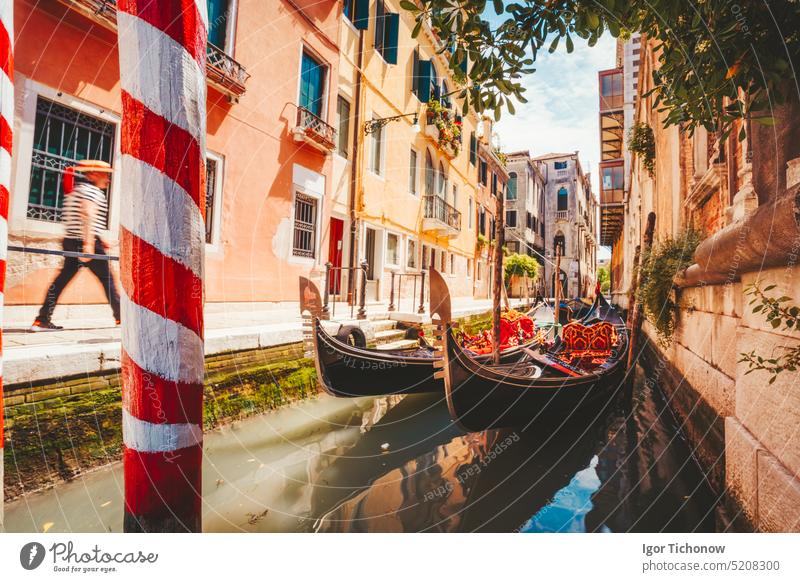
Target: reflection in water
399,464
567,512
630,471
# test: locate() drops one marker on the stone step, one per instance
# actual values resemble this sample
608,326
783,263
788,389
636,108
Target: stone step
389,335
383,324
403,344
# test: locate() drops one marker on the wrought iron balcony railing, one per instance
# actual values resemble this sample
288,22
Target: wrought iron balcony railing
314,131
223,72
437,209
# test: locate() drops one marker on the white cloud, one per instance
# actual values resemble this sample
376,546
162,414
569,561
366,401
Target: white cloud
562,110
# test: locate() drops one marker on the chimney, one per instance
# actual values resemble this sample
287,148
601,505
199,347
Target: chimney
486,123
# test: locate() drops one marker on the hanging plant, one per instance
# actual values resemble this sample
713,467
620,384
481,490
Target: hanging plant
447,124
642,143
656,291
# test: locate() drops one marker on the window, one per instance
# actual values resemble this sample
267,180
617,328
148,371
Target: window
430,175
560,165
452,264
312,84
392,249
305,226
380,26
469,268
473,148
493,231
411,254
426,256
528,220
412,173
482,220
494,184
483,172
562,199
559,243
441,190
218,11
511,192
62,136
511,218
469,213
348,9
479,271
541,226
376,150
455,197
343,133
213,191
443,262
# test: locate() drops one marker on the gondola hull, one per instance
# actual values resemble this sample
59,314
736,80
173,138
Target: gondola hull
483,397
540,390
347,371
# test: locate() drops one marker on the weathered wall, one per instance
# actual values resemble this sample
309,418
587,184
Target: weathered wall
745,429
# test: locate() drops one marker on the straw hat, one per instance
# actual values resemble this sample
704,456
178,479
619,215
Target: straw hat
93,166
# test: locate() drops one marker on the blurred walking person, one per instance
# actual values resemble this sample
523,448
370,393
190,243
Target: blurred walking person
85,214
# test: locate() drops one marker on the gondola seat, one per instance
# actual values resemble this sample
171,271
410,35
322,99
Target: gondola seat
599,337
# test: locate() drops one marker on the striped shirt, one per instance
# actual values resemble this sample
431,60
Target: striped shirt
73,216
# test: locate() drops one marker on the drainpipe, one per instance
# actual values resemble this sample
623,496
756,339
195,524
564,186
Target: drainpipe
353,194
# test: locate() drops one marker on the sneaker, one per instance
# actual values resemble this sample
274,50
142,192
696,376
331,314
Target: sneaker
45,326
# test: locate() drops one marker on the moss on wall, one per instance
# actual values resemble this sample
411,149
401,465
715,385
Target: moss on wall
54,439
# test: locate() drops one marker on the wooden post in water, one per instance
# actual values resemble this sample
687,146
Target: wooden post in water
498,274
636,319
162,64
6,125
557,290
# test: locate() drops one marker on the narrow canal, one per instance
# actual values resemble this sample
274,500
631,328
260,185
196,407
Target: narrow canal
398,464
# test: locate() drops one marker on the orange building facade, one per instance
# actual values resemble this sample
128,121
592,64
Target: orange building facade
272,87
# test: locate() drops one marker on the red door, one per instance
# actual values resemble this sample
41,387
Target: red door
335,255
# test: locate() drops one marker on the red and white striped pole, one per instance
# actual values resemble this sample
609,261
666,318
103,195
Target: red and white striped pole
162,54
6,134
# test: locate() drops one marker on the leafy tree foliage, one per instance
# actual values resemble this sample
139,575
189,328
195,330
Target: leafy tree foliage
718,60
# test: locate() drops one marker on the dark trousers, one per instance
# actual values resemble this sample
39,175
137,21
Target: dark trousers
72,265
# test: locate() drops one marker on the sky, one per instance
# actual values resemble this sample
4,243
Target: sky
561,114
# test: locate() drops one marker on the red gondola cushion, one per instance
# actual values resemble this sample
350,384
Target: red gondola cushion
597,337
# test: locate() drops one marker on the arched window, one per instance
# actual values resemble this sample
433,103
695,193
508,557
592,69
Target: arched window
441,191
430,175
511,188
559,242
562,199
435,88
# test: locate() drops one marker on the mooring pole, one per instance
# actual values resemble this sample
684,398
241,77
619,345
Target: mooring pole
636,319
634,285
557,290
162,57
6,135
498,275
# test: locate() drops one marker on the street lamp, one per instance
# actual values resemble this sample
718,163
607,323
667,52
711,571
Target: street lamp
375,124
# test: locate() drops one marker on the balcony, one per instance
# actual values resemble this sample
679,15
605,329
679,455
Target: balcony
562,214
440,217
313,131
223,72
444,127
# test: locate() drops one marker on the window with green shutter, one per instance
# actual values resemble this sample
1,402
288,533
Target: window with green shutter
473,148
361,17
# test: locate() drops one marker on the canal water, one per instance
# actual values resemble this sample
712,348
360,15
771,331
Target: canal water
398,464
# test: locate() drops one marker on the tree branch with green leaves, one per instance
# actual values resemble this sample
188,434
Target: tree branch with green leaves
718,61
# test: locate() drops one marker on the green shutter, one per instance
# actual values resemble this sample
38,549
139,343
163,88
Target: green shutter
361,20
424,80
463,65
473,148
392,24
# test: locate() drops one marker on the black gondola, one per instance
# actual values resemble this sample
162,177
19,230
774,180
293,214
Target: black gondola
347,370
546,388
